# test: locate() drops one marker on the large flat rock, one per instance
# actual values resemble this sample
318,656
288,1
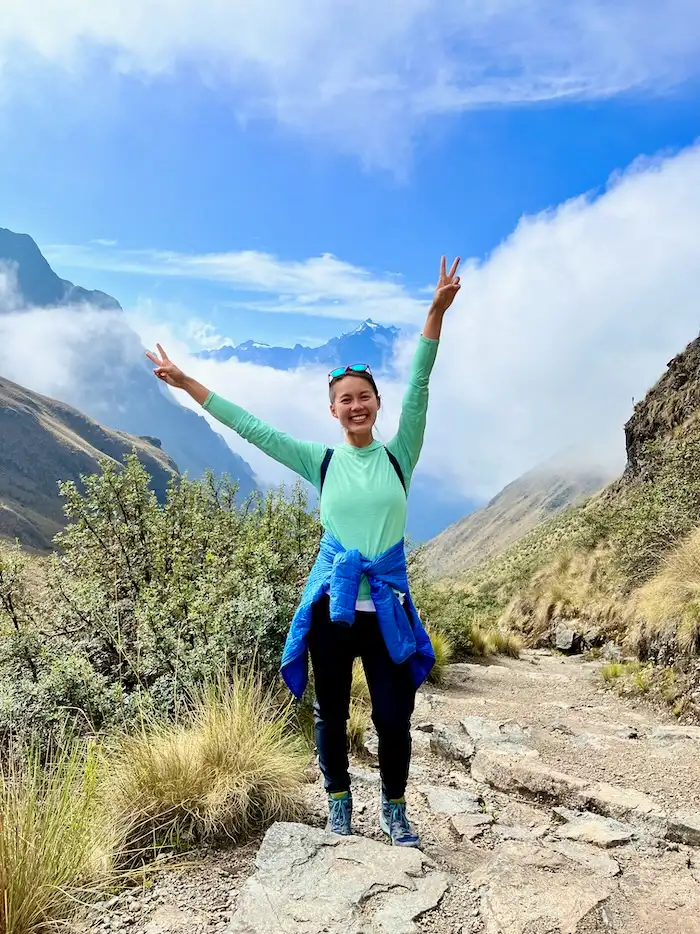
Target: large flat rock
514,774
527,888
311,882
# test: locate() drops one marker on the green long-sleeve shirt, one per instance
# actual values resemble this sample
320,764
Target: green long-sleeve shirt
363,504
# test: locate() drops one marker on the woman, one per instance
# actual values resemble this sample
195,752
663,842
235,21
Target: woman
356,601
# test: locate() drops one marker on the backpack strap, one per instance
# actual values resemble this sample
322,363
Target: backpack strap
329,454
324,467
397,467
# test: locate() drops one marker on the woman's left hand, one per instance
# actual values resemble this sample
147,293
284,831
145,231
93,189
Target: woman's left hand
447,287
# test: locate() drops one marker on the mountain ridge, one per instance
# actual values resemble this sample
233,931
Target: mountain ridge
369,343
532,498
45,441
124,396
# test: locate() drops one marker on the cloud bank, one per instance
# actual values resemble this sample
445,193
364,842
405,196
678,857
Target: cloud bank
363,75
550,339
320,285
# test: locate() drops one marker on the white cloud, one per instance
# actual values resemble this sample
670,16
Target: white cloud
319,286
551,336
364,74
549,341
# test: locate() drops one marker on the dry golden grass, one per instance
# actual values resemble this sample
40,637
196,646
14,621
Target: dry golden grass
55,841
505,642
480,641
358,723
237,764
442,647
574,584
669,604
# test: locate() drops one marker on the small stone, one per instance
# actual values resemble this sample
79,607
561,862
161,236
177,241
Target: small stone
451,746
598,831
425,726
684,827
450,801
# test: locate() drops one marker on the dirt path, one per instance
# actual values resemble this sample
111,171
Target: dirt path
547,805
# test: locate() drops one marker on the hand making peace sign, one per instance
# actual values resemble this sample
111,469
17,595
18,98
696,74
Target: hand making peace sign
447,287
166,369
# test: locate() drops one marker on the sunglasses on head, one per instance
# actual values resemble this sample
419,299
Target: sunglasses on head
348,371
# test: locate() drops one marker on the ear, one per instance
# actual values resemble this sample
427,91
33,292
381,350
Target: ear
333,411
379,402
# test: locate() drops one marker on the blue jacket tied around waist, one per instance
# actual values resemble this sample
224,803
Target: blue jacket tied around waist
337,572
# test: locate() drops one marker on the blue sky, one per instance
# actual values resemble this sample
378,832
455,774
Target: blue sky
181,161
280,170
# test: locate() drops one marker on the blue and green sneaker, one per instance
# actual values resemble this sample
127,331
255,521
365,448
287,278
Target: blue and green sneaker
340,813
394,823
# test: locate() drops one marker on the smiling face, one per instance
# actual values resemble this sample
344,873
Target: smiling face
355,404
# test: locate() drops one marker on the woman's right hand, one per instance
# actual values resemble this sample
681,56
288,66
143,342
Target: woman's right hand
166,369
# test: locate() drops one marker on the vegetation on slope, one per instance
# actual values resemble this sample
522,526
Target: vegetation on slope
534,498
624,564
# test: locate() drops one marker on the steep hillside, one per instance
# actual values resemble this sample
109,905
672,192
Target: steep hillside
534,497
623,565
123,395
43,442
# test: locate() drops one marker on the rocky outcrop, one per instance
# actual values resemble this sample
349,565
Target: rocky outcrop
673,401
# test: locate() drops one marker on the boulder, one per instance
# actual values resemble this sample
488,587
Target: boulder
568,640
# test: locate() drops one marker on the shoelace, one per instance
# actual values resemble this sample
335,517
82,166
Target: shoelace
398,816
339,812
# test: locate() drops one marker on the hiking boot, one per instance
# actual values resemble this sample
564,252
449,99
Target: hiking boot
340,814
394,823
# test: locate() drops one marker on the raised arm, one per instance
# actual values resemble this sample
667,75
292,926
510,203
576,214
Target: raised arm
303,457
407,443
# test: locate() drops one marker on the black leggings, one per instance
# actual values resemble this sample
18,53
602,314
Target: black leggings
333,648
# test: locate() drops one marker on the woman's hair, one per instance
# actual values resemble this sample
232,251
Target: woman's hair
361,375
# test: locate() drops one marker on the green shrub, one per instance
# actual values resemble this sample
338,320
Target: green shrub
144,601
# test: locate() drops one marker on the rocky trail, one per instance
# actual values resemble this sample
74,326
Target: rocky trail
547,805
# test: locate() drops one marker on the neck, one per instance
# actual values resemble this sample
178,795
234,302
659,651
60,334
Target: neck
359,440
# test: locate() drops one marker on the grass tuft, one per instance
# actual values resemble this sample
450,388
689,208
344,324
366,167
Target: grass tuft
444,652
669,603
504,642
54,841
235,765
